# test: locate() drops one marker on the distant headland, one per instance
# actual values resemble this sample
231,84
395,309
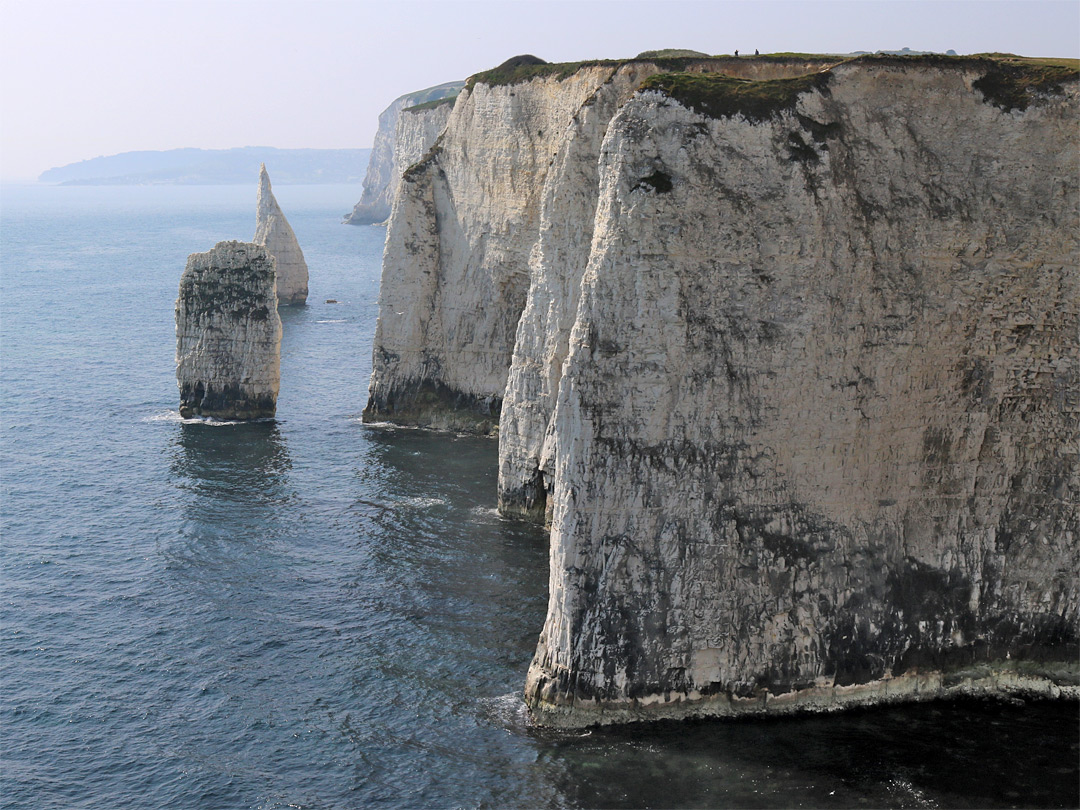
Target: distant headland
213,167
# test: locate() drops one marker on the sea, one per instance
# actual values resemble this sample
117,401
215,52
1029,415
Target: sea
311,612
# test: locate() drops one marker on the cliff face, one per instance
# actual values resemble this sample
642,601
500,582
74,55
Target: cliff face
556,264
275,233
386,164
816,437
455,270
416,132
468,233
790,364
228,334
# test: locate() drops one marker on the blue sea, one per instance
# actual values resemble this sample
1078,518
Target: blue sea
315,613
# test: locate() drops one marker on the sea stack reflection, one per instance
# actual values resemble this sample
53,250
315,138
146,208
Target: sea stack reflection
228,333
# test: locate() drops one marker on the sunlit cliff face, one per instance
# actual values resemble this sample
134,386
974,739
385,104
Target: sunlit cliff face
784,362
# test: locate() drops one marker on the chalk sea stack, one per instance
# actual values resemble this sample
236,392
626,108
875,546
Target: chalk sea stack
785,348
228,334
273,231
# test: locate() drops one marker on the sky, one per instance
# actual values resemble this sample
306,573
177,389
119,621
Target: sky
98,77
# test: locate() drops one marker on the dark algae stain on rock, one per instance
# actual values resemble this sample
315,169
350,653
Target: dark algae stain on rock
228,333
433,404
230,401
236,295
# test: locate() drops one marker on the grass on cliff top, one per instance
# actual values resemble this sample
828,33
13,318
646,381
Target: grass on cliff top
517,74
431,105
669,53
1013,80
672,59
718,96
432,93
1009,83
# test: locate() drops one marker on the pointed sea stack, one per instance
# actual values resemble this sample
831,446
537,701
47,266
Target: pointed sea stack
228,333
274,232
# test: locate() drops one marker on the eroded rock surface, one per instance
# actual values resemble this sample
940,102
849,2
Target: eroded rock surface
398,144
466,222
790,364
228,334
816,436
556,265
275,233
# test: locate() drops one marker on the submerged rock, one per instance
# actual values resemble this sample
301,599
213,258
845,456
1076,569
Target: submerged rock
274,232
228,333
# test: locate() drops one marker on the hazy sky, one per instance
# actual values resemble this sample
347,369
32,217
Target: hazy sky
82,79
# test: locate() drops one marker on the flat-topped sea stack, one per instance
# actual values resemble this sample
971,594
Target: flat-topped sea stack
228,334
274,232
784,348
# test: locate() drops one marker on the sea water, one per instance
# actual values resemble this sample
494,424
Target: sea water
311,612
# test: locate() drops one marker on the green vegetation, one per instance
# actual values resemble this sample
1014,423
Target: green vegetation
670,53
1012,81
672,59
718,96
1008,82
517,73
419,97
784,56
431,105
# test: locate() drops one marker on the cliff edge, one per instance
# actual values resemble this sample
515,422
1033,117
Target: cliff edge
400,142
468,227
816,438
786,351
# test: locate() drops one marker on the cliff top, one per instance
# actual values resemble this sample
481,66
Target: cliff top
431,105
1009,82
1012,75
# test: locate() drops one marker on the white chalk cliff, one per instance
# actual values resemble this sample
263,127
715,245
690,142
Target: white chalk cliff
228,334
400,142
273,231
791,364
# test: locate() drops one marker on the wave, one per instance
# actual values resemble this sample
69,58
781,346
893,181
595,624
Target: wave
384,425
508,711
167,416
488,512
175,418
423,503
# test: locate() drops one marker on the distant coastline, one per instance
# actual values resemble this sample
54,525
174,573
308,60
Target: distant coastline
213,167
